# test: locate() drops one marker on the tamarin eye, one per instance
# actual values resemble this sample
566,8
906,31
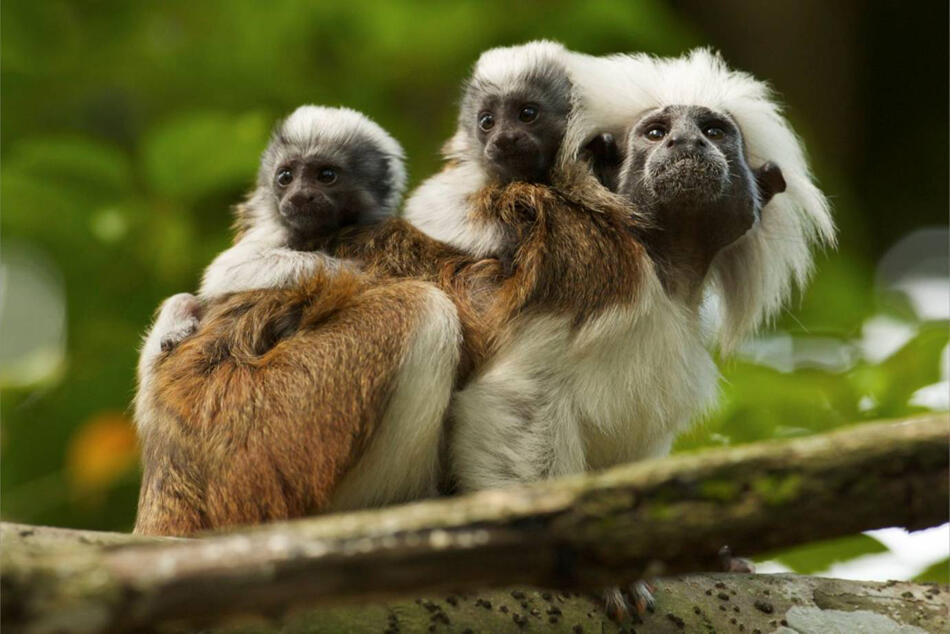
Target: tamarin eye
486,121
284,177
715,133
327,175
528,113
655,132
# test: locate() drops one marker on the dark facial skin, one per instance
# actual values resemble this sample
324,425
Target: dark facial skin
685,167
317,196
521,132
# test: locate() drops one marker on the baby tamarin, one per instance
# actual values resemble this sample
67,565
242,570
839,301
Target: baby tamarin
514,112
291,401
324,168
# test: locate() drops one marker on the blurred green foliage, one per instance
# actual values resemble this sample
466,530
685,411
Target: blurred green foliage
815,557
129,129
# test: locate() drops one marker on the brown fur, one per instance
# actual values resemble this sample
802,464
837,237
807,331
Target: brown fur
395,250
279,391
272,401
575,247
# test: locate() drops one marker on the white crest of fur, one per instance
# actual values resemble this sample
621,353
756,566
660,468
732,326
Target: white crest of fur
321,126
504,67
755,276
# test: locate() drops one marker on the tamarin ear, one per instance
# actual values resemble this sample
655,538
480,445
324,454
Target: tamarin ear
769,180
602,150
603,154
603,147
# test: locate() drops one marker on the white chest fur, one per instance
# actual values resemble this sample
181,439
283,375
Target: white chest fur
440,205
561,400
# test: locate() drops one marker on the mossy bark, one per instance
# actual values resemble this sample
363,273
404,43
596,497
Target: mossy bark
650,519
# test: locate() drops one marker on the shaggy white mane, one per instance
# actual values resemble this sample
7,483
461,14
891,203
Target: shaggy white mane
754,277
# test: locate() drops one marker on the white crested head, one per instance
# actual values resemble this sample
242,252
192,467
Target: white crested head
755,276
503,70
348,134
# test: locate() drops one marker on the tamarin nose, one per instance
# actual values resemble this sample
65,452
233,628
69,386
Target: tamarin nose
507,141
685,140
301,199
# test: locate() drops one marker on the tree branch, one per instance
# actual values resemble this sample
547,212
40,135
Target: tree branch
647,519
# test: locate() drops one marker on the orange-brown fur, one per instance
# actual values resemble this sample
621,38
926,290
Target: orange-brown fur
576,247
397,250
274,398
279,391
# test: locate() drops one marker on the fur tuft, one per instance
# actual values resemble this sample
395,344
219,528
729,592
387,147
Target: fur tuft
754,277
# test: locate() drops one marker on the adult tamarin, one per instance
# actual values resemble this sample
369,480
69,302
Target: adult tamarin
289,343
617,363
610,361
328,394
753,279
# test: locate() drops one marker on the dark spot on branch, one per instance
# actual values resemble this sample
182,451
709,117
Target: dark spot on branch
764,606
676,620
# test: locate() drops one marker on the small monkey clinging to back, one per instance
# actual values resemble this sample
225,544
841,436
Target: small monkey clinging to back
324,169
290,401
514,113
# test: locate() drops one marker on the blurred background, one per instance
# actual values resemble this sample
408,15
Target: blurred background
129,129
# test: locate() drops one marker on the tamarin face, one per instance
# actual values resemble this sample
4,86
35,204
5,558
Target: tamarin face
320,193
519,128
328,168
682,155
691,158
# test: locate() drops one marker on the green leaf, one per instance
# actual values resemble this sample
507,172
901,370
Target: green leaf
912,367
198,154
812,558
938,573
